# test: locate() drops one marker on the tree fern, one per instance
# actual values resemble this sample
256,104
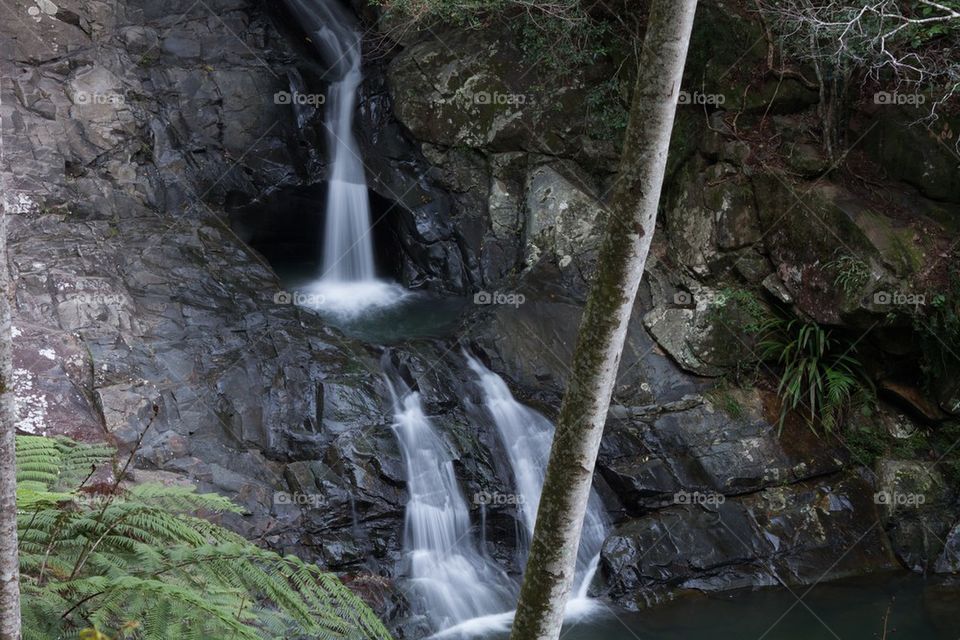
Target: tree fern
139,563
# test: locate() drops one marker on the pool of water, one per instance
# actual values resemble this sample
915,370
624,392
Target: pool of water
417,315
911,608
378,312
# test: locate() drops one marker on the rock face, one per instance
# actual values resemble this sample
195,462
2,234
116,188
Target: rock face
144,146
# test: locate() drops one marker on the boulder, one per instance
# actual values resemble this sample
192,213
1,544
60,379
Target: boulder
915,506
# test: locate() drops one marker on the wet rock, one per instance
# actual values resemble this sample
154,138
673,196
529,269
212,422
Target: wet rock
915,505
720,444
915,152
806,159
469,90
564,220
949,560
798,534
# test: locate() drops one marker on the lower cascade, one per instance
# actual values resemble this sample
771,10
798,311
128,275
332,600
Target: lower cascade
527,435
455,584
451,579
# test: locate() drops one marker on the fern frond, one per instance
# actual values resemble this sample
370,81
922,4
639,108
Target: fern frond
141,564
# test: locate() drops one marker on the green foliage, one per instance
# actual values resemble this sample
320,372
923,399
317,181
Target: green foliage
922,34
136,563
819,377
723,396
607,115
938,331
851,274
463,13
561,47
735,306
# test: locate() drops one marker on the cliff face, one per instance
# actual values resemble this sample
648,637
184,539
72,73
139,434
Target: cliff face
145,152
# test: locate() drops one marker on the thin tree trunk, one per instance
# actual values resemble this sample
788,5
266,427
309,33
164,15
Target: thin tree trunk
550,568
9,559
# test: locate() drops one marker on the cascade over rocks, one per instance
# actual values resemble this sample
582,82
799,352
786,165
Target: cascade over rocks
145,142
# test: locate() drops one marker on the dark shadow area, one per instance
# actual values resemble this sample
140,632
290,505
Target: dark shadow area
287,227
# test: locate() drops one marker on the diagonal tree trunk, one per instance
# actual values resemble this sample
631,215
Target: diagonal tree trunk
550,568
9,559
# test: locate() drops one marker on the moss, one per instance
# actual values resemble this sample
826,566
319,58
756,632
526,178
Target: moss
868,442
907,253
735,307
725,397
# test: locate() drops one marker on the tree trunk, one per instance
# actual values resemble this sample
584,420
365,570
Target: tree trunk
9,560
550,568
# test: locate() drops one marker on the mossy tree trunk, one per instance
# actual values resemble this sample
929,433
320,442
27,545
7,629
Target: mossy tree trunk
9,558
550,568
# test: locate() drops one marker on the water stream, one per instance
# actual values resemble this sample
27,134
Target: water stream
449,575
527,435
347,283
457,587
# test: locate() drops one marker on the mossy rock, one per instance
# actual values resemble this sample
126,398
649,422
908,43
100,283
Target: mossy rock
925,157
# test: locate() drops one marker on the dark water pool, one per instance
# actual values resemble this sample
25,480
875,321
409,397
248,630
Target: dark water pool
416,315
847,610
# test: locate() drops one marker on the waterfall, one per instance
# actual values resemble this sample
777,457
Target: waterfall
526,435
454,580
347,282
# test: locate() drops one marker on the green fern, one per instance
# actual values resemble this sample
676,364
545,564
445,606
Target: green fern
819,374
137,563
851,275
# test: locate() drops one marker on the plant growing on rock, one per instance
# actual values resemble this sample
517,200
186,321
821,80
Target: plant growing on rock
851,274
938,331
735,306
135,562
820,377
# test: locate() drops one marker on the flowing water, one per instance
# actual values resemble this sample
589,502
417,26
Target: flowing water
450,577
347,283
453,583
526,435
458,587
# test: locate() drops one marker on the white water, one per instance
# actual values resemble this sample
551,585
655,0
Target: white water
526,435
462,591
347,282
453,580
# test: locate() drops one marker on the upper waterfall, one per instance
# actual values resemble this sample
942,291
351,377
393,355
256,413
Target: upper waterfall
348,246
347,281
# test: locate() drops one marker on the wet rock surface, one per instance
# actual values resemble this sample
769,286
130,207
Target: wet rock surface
135,133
